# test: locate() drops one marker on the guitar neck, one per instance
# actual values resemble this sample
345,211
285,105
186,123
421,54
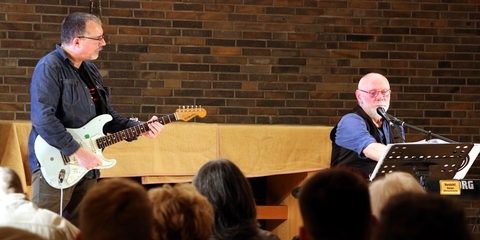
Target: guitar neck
135,131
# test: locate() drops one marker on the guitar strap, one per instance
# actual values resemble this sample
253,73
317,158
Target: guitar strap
99,92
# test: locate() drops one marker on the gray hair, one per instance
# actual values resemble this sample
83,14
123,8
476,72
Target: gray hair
74,25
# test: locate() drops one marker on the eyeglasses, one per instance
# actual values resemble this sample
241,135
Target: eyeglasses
374,93
99,40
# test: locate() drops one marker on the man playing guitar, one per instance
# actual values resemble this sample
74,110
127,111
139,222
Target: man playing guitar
60,99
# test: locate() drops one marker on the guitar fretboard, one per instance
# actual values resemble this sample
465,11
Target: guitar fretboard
119,136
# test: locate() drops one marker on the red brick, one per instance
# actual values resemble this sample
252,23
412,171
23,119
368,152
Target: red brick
226,51
220,25
18,8
133,31
149,14
250,26
157,5
219,8
163,49
242,17
17,44
302,37
158,40
258,2
280,10
293,3
234,60
186,58
189,41
187,24
363,5
187,7
181,15
279,27
202,76
250,9
212,16
302,19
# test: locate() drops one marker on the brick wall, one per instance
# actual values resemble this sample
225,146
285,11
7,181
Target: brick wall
264,61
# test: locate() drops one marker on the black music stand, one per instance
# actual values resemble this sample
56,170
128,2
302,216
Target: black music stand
427,160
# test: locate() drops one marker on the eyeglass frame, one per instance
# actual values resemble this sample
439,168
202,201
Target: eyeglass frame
99,40
374,93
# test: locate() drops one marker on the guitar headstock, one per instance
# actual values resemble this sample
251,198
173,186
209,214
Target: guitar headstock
186,113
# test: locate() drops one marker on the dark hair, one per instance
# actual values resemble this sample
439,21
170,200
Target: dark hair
74,25
231,196
417,216
335,204
10,181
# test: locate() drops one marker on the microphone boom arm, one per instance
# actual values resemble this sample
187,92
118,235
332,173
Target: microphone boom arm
429,133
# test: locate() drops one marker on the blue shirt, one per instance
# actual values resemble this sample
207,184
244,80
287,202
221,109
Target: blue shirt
352,134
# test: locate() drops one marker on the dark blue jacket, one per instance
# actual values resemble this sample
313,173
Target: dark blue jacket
60,99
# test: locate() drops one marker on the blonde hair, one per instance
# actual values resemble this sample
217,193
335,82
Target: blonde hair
391,184
181,212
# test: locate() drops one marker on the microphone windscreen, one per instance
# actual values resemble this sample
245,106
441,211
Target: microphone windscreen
381,111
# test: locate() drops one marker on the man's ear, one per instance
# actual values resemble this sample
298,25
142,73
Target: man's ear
76,42
359,96
303,233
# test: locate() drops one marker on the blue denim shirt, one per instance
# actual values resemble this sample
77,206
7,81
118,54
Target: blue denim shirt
60,99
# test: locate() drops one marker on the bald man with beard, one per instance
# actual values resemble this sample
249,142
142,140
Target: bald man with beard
361,136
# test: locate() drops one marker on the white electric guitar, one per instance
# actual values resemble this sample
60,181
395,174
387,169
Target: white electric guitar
61,171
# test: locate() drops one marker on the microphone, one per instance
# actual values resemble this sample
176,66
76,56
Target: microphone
61,175
381,112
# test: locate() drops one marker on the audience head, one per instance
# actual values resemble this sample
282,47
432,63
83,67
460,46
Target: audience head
181,212
335,205
116,209
415,216
373,91
231,196
9,182
381,189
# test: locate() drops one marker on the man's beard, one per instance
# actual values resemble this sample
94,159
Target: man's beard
94,57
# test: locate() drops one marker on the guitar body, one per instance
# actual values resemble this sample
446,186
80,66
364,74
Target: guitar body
52,161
